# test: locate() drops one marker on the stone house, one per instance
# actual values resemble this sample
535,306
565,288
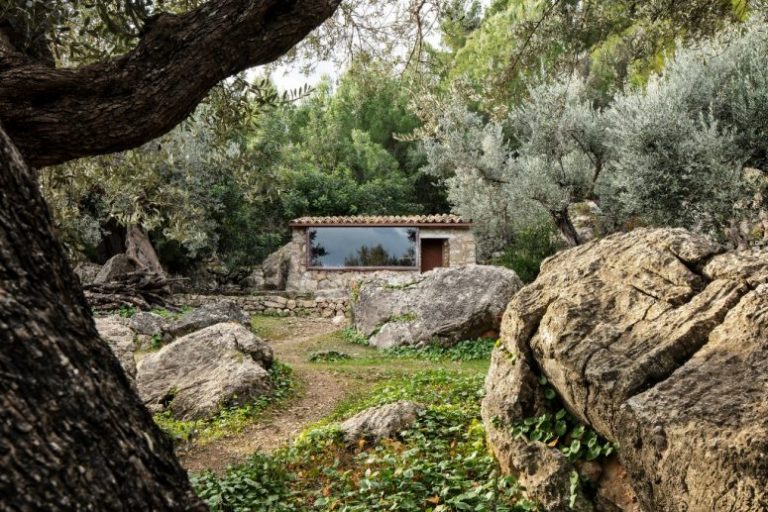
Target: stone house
334,252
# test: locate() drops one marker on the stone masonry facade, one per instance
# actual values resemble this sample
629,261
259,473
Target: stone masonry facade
461,252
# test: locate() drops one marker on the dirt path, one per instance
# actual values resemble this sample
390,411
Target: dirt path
320,392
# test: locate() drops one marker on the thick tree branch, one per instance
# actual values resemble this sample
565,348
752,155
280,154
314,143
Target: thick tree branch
55,115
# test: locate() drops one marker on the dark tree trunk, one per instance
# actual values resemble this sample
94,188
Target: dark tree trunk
73,434
55,115
562,220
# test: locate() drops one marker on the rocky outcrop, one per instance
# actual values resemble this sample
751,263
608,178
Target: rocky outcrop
198,374
207,315
119,337
275,268
443,306
382,422
588,220
148,324
116,267
658,340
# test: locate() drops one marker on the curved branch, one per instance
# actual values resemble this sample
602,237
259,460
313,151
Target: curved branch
55,115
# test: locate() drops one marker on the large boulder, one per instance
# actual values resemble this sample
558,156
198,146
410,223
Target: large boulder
198,374
443,306
275,268
658,340
207,315
115,268
382,422
114,330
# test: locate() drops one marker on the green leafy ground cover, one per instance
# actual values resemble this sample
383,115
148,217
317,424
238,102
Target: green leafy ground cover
441,463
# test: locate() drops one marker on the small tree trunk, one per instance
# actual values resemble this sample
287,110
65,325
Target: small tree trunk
73,434
562,220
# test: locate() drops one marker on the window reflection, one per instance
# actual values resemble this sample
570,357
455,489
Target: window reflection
346,247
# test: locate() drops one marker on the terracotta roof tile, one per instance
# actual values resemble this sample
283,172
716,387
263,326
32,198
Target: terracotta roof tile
380,220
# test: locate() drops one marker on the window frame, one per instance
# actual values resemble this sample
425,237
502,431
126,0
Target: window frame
308,251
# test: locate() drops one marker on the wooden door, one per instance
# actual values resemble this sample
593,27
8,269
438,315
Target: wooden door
432,253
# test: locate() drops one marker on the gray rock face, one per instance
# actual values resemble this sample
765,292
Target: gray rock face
119,336
383,422
87,271
275,268
148,324
197,374
659,341
443,306
207,315
116,267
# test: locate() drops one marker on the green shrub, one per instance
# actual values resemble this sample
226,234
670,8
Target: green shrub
468,350
352,335
529,249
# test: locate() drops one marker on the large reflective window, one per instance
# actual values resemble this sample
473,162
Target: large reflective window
346,247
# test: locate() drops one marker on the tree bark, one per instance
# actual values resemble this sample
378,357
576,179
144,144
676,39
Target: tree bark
73,434
562,220
55,115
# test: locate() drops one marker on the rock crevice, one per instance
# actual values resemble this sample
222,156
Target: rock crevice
618,326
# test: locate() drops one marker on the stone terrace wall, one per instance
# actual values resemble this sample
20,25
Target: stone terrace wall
326,307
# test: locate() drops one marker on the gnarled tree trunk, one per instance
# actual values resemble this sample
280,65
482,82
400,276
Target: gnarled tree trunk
73,435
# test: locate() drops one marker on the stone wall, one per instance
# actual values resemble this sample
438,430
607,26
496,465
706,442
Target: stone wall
461,252
285,305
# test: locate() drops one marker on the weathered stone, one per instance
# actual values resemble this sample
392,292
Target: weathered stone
255,279
275,268
207,315
198,374
588,220
443,306
87,272
116,267
382,422
119,337
660,343
148,324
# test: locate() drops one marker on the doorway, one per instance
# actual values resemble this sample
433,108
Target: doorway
432,253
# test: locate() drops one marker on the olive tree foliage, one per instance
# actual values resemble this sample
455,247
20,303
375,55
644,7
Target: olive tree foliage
672,153
682,143
547,155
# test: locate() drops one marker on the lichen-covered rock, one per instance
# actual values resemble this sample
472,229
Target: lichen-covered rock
207,315
658,340
443,306
275,268
119,336
382,422
115,268
198,374
148,324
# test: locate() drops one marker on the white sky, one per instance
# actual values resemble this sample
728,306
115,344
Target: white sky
290,76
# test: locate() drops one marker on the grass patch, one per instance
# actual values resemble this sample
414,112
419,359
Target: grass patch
270,327
441,463
230,420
